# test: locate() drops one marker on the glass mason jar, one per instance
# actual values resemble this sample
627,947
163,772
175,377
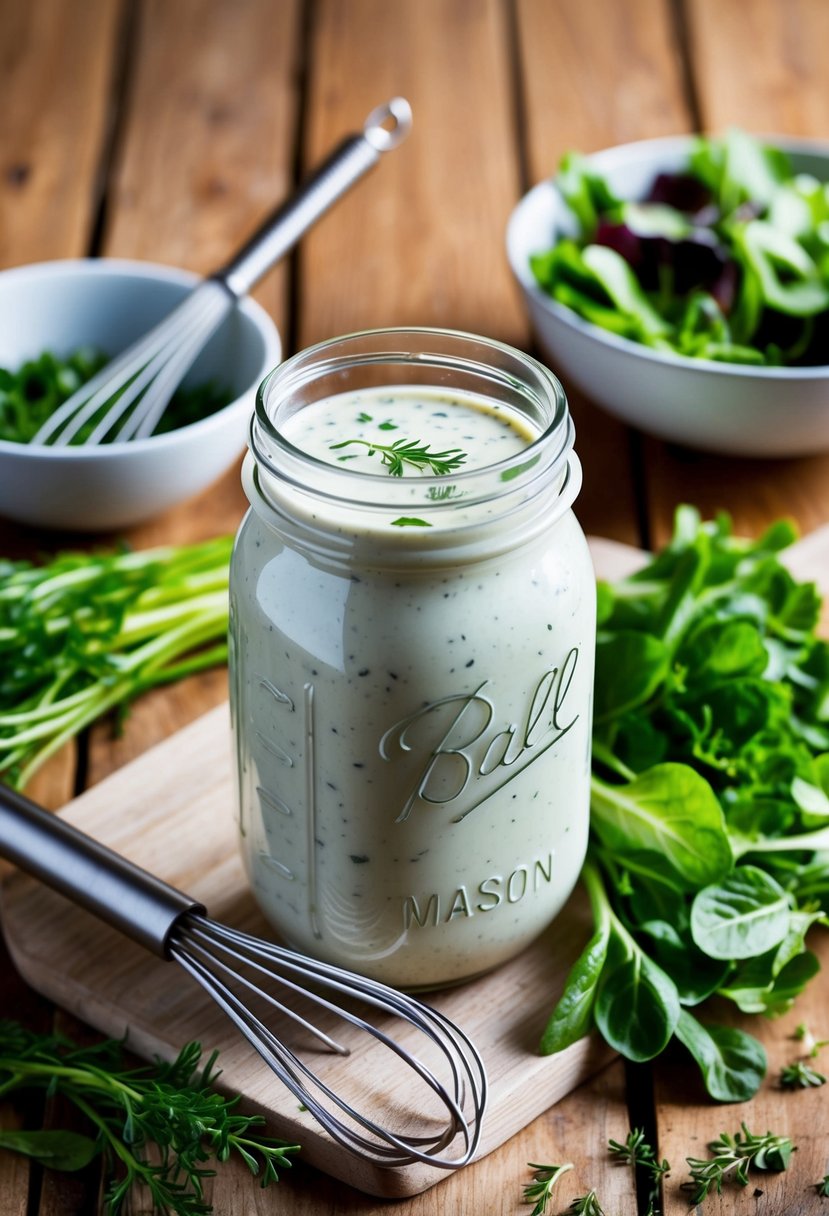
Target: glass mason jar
412,656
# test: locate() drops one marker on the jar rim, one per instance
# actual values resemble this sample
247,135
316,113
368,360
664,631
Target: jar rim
412,347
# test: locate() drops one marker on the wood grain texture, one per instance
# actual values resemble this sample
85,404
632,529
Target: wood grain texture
57,78
593,76
420,242
206,141
762,65
57,64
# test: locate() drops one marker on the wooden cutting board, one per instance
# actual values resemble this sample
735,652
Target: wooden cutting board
171,811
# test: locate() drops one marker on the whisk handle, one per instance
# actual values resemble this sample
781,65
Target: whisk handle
348,162
91,875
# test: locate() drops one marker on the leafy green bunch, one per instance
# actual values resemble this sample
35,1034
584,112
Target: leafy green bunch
157,1126
725,259
709,853
84,634
31,393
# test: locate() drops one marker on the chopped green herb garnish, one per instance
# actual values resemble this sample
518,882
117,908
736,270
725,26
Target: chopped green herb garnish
587,1205
30,395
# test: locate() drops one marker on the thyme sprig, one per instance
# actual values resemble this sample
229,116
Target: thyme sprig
800,1075
640,1155
540,1190
735,1155
409,451
170,1109
587,1205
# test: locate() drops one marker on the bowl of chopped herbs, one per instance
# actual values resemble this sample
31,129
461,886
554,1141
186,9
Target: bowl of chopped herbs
60,323
683,285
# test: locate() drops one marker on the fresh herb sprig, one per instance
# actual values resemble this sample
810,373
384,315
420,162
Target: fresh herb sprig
540,1190
637,1153
733,1156
84,634
587,1205
409,452
800,1075
709,854
158,1127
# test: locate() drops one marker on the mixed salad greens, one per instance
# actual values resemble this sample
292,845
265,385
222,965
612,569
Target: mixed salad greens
32,393
709,853
727,260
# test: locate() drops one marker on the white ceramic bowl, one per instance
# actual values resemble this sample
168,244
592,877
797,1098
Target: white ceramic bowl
738,409
106,304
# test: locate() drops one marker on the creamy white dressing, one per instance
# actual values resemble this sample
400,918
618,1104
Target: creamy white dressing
482,430
412,737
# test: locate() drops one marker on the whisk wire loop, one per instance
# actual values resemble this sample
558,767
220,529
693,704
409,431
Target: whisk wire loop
198,945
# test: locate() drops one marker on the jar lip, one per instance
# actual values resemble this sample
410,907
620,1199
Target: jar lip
462,352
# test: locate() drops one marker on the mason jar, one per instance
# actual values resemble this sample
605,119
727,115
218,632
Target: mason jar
412,637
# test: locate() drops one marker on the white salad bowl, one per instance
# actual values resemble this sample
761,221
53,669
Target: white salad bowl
106,304
740,409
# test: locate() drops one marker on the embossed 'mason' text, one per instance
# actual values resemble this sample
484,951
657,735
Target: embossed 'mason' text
467,900
467,750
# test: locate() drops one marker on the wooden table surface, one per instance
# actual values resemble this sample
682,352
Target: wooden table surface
164,131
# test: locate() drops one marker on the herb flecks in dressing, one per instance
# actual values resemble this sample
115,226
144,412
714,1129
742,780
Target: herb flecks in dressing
455,429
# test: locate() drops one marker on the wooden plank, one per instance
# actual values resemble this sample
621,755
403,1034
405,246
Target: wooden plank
206,151
567,1132
590,80
594,79
421,241
57,67
780,88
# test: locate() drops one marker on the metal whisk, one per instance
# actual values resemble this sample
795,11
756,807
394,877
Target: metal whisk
247,976
137,385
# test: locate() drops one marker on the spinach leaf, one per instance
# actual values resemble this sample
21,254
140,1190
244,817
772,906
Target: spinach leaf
637,1007
745,915
573,1015
630,666
59,1150
670,809
733,1063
